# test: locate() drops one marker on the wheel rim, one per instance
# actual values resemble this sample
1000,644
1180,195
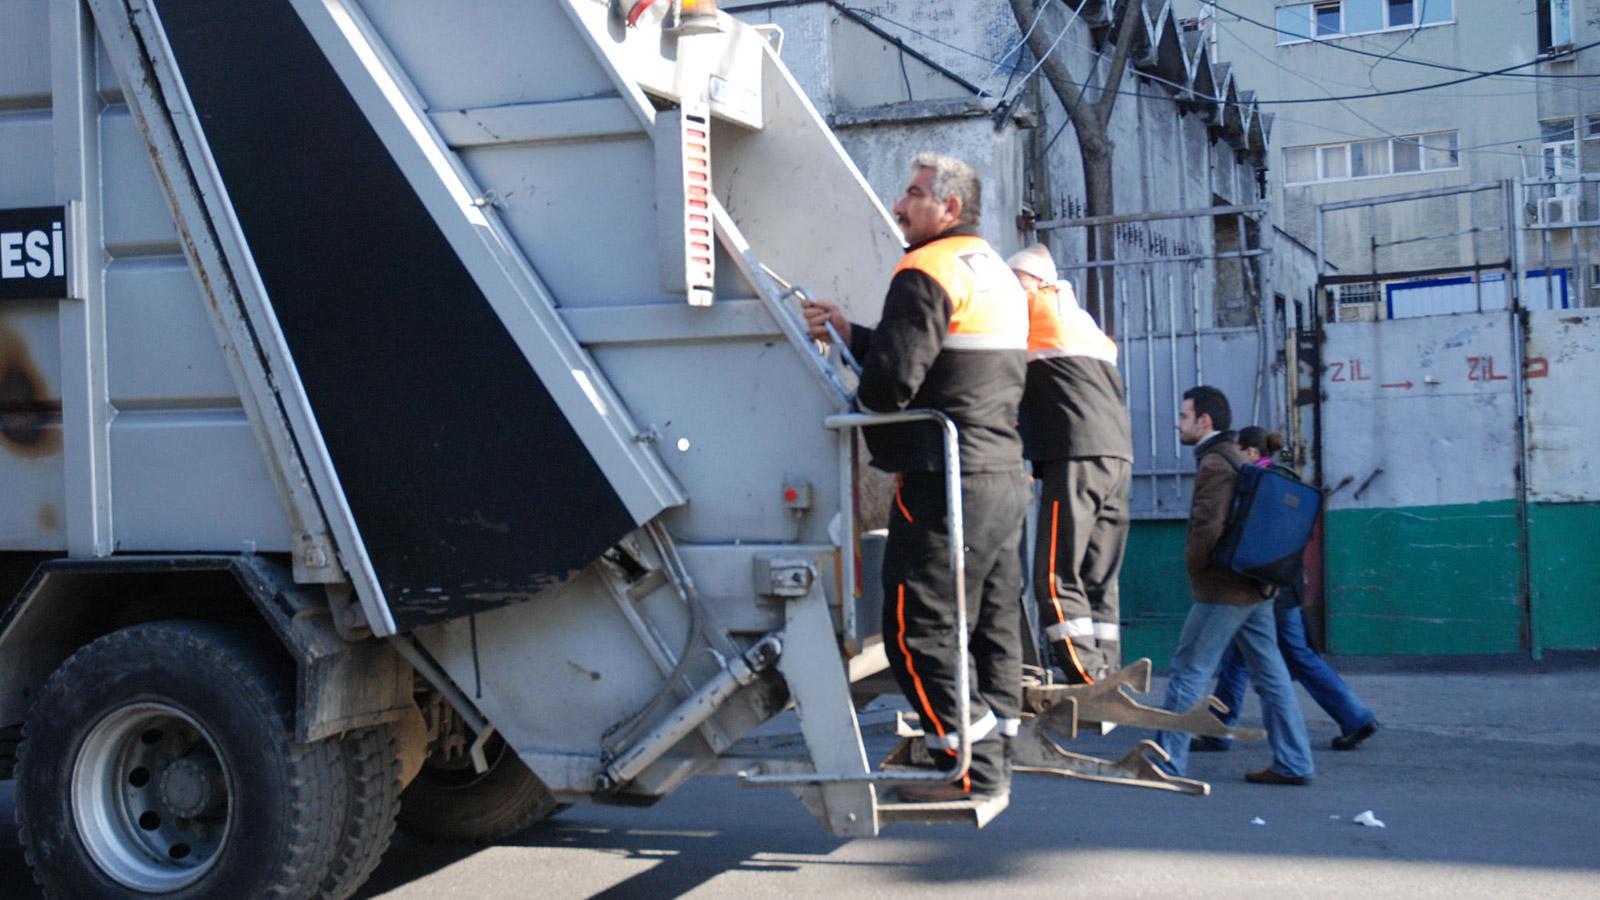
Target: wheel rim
152,797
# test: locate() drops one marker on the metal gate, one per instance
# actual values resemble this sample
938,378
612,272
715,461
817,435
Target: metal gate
1449,437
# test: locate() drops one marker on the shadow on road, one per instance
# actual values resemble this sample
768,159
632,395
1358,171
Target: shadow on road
1441,805
1449,800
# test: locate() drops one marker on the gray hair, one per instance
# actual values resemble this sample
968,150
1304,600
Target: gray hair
953,178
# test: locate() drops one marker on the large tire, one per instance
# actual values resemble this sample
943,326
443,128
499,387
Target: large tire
455,803
161,760
372,771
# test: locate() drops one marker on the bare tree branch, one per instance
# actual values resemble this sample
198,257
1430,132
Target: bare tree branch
1127,33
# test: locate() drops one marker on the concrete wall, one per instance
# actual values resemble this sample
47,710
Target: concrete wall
883,150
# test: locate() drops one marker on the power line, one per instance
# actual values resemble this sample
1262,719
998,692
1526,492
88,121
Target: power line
1477,148
1395,92
1022,42
1421,12
1405,59
1312,81
903,26
1053,45
1298,74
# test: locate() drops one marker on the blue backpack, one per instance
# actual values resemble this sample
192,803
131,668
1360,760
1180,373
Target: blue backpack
1269,524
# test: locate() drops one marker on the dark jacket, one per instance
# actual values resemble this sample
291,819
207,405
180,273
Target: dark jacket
1216,469
953,337
1073,405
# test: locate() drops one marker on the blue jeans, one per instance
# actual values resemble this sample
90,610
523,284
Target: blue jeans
1305,666
1208,632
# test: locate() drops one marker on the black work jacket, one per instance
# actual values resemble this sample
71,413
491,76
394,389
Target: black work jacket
1074,405
953,337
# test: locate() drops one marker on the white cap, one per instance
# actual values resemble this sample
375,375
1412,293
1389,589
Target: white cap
1035,261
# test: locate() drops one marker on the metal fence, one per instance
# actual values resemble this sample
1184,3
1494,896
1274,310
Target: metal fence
1189,299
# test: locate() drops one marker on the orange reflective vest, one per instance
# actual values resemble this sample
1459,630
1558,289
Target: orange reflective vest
953,337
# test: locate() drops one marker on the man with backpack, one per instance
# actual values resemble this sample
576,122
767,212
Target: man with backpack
1229,608
1356,720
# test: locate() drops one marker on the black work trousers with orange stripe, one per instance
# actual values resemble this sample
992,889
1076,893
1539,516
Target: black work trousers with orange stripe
1083,531
919,615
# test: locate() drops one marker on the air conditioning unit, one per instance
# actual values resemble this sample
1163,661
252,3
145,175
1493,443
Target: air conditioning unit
1553,211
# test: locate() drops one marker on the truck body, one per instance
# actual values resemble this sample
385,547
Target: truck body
441,365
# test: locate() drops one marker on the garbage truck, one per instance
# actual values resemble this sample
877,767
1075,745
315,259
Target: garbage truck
405,417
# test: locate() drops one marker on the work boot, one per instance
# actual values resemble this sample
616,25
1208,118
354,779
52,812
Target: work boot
1070,674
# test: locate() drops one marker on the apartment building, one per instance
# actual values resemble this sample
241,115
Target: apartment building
1393,102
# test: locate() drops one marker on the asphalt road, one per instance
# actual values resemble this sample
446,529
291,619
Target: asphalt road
1485,777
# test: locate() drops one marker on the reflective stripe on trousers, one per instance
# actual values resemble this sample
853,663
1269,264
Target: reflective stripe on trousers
952,740
1071,628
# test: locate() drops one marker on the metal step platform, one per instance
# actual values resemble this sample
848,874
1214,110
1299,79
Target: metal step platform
1053,711
976,812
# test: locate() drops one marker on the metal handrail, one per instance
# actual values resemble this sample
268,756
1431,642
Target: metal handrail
958,570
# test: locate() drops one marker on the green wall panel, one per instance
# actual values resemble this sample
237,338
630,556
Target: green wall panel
1154,590
1564,558
1428,580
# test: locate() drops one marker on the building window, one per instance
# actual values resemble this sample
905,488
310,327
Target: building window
1555,24
1558,153
1294,23
1339,18
1591,127
1359,293
1329,20
1299,165
1335,162
1440,151
1408,156
1558,148
1358,302
1373,159
1368,158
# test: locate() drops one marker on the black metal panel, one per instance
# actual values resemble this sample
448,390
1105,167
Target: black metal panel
469,486
33,253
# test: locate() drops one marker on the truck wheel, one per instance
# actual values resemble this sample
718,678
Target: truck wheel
372,771
448,801
160,759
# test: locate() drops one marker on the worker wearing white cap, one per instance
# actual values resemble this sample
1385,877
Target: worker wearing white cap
1076,433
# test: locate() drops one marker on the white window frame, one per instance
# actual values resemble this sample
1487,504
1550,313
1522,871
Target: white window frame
1320,150
1551,6
1416,12
1548,149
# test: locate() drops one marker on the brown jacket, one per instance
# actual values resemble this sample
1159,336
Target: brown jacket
1214,477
